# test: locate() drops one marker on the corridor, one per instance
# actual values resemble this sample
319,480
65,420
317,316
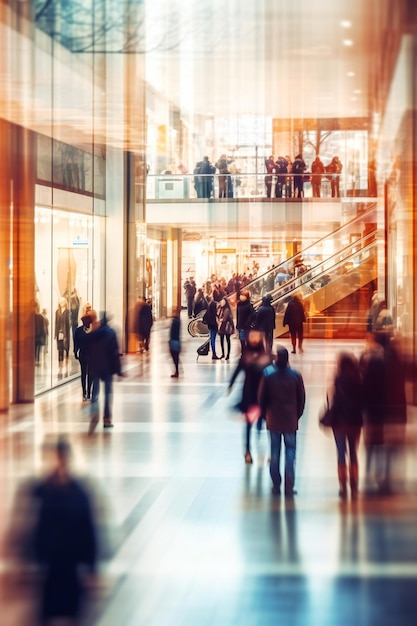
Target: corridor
194,536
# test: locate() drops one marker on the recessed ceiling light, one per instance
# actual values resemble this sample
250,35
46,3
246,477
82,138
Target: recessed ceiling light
347,42
357,91
350,74
354,98
346,23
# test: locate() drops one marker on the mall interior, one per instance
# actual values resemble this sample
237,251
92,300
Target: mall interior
107,110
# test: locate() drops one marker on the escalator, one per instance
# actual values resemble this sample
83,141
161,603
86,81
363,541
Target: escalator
316,253
334,276
335,293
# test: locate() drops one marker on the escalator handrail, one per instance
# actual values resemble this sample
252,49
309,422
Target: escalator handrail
293,287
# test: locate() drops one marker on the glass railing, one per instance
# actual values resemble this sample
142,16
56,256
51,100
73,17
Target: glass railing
343,238
250,186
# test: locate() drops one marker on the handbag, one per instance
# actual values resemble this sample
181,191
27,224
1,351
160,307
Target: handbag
326,415
253,413
229,328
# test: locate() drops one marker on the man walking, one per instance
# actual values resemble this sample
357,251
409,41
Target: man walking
282,400
265,320
103,361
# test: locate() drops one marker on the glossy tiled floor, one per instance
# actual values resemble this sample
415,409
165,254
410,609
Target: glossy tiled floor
196,536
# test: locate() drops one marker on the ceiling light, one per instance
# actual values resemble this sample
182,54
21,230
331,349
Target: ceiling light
357,91
346,24
354,98
351,74
347,42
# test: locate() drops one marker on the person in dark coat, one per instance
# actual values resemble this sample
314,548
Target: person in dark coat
294,317
198,180
372,365
226,326
347,406
245,315
80,353
298,168
200,302
270,169
207,170
145,323
282,400
210,318
103,361
265,320
190,289
281,166
175,341
252,363
385,414
65,538
40,334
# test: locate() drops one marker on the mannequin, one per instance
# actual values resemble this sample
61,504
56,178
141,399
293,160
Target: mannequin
75,308
62,329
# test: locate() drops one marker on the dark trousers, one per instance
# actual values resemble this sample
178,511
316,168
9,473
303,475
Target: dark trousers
85,378
297,332
176,359
108,395
222,338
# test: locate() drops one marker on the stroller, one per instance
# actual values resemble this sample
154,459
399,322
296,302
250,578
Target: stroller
204,349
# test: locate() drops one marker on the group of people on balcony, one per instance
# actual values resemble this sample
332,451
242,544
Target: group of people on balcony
284,178
204,177
289,176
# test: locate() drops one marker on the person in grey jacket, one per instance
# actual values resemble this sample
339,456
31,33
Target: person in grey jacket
282,399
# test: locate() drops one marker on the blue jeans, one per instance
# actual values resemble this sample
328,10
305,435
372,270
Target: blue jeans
290,441
213,334
108,396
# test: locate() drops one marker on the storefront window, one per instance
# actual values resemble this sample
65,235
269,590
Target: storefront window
63,274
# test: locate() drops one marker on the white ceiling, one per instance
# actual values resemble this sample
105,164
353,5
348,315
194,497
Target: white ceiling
281,58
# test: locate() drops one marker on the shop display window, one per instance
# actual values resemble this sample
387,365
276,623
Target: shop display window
63,286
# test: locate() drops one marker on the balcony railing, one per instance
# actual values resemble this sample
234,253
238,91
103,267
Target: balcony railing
249,186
